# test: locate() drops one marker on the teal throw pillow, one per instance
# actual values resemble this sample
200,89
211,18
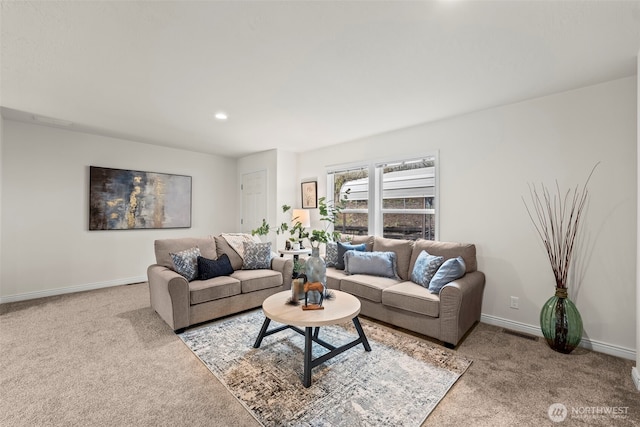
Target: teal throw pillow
449,271
425,267
256,256
185,262
344,247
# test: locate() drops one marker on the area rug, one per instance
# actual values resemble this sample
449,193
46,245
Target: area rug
398,383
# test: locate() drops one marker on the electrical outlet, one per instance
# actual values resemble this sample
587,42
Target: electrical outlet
515,302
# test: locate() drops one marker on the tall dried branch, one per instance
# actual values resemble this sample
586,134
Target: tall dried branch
556,219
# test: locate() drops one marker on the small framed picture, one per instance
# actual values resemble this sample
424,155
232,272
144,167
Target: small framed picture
310,195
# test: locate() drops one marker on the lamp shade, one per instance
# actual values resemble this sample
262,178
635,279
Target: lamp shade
301,216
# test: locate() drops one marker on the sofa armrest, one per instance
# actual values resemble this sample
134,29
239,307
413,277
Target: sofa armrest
460,306
285,267
169,292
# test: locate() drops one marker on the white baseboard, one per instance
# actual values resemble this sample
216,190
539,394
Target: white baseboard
71,289
635,375
600,347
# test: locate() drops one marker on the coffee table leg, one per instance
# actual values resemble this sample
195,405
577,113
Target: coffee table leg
263,330
308,343
363,337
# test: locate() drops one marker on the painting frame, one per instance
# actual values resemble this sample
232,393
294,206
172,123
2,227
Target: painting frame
125,199
309,194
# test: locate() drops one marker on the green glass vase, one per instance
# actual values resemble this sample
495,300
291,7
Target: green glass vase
561,322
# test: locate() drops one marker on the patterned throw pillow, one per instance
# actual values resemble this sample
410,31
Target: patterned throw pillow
425,267
452,269
210,268
344,247
256,256
331,259
186,262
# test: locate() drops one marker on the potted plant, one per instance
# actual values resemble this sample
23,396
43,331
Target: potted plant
298,268
328,215
557,220
265,228
315,268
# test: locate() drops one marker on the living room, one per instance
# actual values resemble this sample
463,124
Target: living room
486,160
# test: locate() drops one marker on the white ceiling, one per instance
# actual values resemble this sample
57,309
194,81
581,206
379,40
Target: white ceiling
297,75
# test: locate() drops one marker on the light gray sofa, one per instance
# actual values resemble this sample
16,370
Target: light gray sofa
181,303
446,316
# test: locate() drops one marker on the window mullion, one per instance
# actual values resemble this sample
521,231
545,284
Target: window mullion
375,196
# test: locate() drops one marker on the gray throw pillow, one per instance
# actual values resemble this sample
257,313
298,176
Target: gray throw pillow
381,264
425,267
256,256
186,262
452,269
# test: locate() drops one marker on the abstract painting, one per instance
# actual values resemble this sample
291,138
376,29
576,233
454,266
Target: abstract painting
122,199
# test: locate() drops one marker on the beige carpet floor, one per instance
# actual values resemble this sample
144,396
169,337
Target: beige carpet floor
104,358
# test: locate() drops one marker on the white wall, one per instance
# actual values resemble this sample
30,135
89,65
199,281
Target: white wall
288,190
281,167
1,162
267,161
46,245
635,372
487,158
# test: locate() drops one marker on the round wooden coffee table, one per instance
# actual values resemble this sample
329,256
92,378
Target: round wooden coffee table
342,308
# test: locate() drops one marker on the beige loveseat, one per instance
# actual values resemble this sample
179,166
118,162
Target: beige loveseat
182,303
446,316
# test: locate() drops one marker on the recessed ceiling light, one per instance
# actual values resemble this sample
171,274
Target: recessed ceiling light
221,116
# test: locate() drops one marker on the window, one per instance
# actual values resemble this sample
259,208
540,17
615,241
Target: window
352,186
408,199
399,202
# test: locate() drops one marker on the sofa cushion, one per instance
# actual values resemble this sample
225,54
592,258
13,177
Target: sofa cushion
208,290
334,276
344,247
256,280
223,247
210,268
425,268
367,287
257,256
403,250
164,247
452,269
447,250
367,240
381,264
185,263
411,297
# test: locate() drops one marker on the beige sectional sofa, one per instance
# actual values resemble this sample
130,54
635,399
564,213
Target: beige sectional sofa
446,316
182,303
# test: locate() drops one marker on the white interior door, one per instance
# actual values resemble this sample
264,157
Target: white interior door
254,200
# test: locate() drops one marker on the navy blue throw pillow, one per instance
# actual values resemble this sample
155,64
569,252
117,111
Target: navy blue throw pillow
210,268
344,247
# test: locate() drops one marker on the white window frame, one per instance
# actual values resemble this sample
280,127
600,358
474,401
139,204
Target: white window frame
375,175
